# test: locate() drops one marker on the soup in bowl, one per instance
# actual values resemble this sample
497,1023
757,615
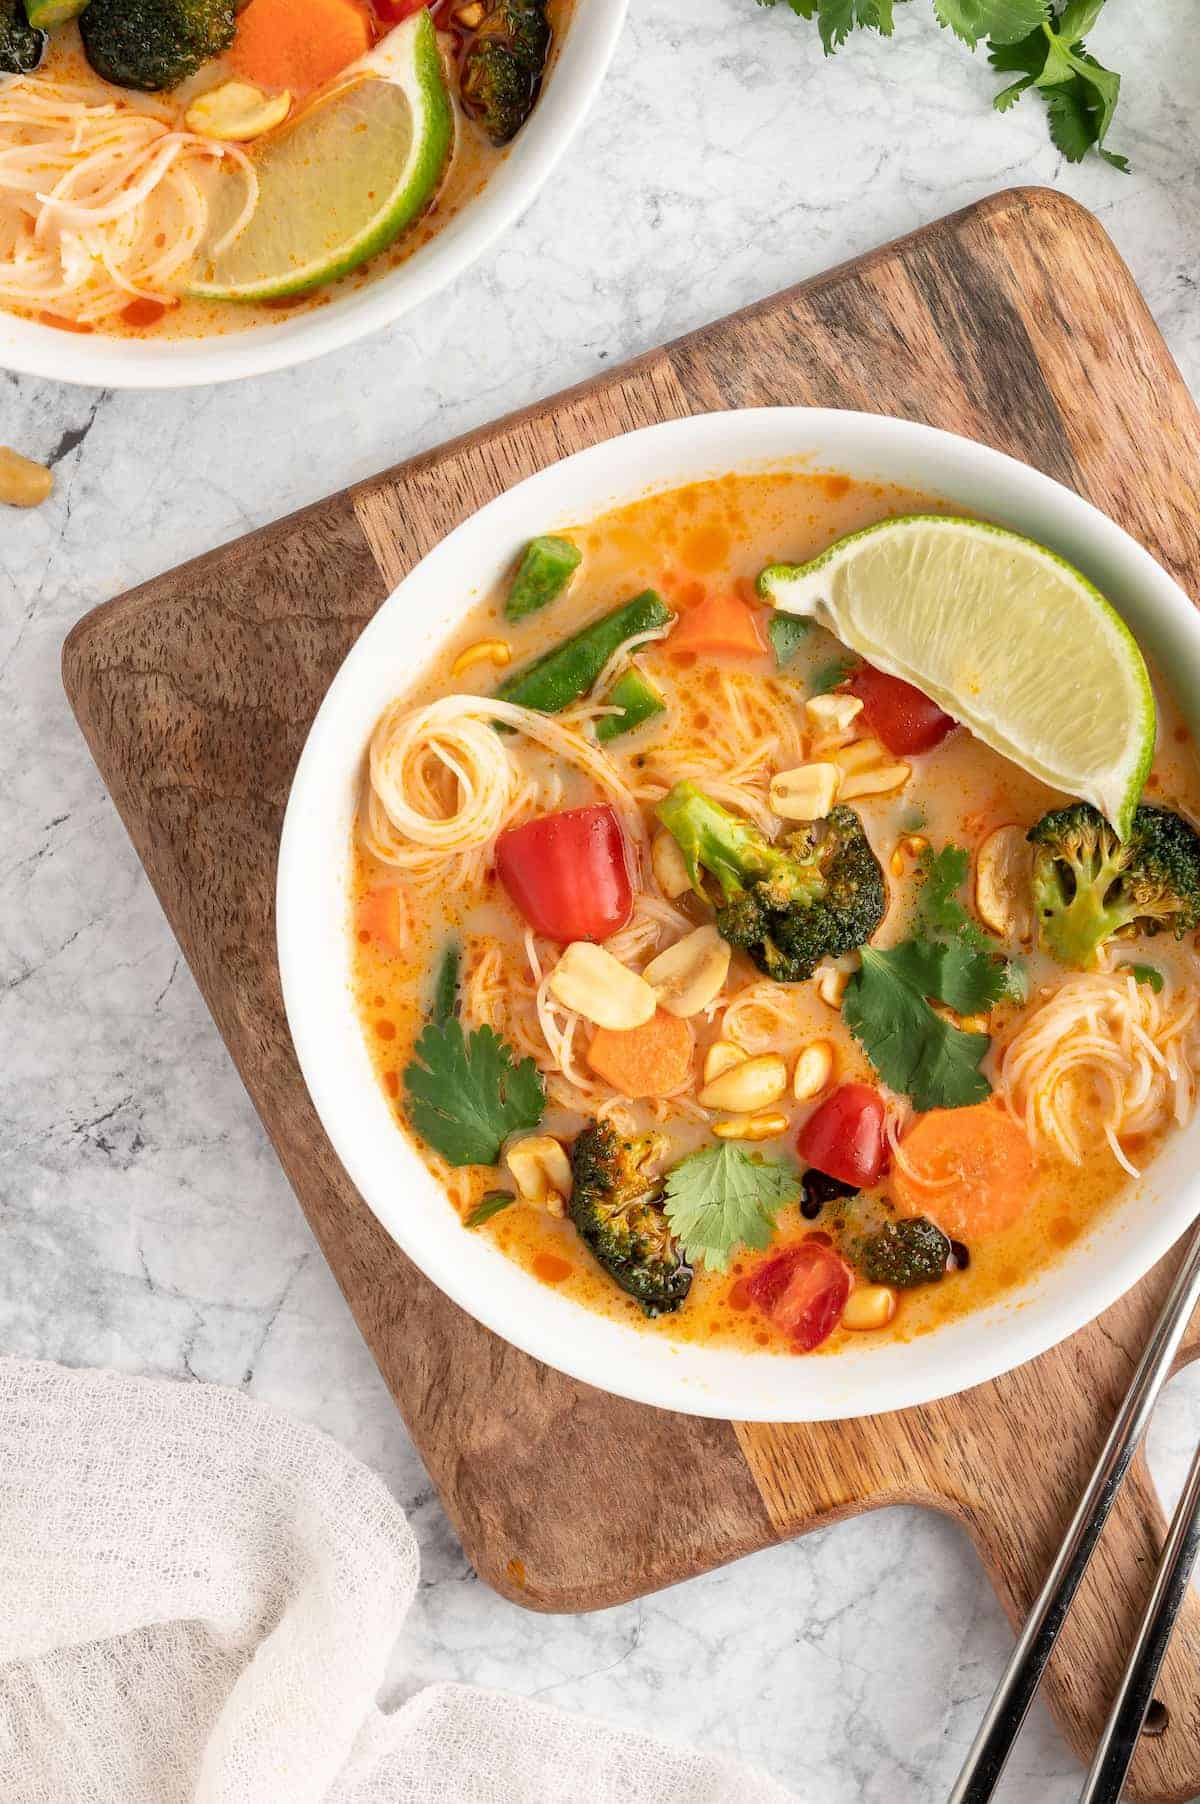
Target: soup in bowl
729,950
197,189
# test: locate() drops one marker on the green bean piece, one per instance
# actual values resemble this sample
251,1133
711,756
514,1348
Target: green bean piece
545,570
567,673
638,697
785,631
445,986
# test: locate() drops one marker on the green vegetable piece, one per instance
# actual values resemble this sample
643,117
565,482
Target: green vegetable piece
45,13
906,1253
722,1198
502,67
22,45
832,675
465,1096
1147,974
1089,886
786,631
154,44
567,673
815,894
616,1207
913,1049
545,570
445,985
639,698
975,960
489,1205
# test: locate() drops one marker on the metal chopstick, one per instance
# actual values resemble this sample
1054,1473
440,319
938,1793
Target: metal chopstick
1023,1674
1114,1751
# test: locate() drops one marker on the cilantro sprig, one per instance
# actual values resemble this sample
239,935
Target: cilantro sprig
948,959
466,1094
723,1197
1041,42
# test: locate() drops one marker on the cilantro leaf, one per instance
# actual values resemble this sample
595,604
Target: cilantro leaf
1002,20
957,975
913,1049
940,911
832,675
1147,974
785,631
1080,93
465,1095
490,1205
723,1197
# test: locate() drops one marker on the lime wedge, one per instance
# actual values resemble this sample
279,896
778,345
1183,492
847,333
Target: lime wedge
1002,634
340,181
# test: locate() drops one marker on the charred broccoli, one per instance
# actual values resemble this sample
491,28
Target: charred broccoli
815,894
1089,885
906,1253
154,44
502,67
21,47
617,1209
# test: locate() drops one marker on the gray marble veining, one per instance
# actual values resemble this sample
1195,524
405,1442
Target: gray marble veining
144,1222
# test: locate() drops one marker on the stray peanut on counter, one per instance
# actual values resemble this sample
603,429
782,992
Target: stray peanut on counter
23,483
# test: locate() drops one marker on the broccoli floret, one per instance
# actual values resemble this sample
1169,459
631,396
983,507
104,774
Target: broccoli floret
503,65
617,1208
21,47
816,894
154,44
1089,885
906,1253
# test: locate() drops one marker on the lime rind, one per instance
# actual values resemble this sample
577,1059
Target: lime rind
408,59
1081,636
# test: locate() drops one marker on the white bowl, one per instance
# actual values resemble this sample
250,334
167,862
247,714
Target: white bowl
579,66
314,943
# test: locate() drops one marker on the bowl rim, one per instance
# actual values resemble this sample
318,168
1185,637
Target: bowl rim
564,1334
586,50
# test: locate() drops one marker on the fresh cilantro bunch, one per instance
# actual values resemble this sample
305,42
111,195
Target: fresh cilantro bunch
1040,42
948,959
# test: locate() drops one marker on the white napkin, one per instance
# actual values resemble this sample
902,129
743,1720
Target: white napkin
198,1598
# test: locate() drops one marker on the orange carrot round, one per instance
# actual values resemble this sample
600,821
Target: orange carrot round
651,1060
298,44
720,623
970,1170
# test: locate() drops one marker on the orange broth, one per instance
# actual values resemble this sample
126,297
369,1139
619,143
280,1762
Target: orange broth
693,542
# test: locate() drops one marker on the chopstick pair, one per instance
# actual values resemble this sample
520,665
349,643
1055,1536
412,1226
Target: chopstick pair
1023,1674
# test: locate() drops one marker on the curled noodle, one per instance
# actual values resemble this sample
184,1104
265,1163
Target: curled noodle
100,201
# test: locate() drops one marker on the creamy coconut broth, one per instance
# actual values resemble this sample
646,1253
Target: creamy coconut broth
731,719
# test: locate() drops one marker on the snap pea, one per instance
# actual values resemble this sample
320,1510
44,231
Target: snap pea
562,676
545,570
637,696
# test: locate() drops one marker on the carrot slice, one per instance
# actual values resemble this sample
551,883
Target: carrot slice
298,44
720,623
970,1170
383,917
652,1060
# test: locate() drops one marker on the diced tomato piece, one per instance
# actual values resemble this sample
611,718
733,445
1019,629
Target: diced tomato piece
568,873
844,1138
393,11
904,719
803,1290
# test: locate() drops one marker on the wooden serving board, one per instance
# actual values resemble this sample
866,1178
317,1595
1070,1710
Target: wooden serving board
1014,322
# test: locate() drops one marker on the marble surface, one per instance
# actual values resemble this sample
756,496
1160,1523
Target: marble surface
144,1222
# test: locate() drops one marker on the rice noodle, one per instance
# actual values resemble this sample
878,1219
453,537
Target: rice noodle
100,201
1104,1054
442,782
752,729
766,1016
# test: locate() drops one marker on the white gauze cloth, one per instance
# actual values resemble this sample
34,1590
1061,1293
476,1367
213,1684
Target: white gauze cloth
198,1600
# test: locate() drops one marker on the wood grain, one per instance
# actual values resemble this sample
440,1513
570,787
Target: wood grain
1014,322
